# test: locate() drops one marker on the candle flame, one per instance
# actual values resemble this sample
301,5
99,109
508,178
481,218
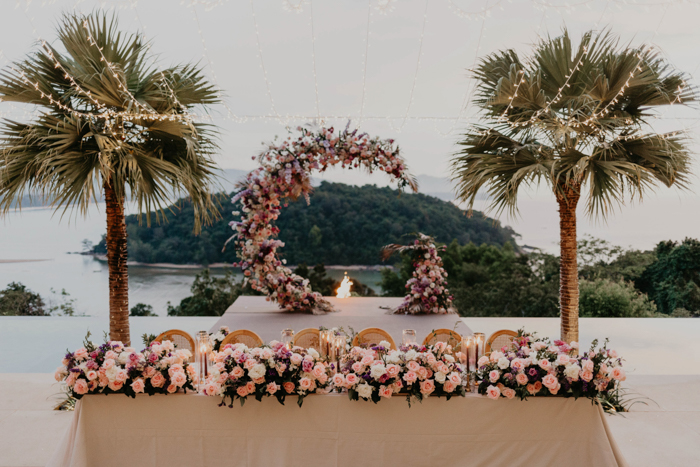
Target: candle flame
344,289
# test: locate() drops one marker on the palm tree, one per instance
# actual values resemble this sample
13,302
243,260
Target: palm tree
575,118
107,120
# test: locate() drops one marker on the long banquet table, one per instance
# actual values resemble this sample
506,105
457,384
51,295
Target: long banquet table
330,430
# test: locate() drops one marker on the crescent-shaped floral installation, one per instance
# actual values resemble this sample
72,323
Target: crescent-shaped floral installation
285,173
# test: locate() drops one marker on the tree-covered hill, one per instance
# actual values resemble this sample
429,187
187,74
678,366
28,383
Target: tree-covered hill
343,225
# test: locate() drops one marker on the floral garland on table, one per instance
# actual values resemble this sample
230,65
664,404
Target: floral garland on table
416,371
269,370
428,287
285,172
532,366
112,368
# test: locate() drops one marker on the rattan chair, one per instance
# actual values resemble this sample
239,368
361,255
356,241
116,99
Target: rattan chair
499,339
444,335
181,339
242,336
372,336
308,338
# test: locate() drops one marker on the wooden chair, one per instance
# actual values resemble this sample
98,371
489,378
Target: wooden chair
242,336
181,339
498,339
373,336
309,338
444,335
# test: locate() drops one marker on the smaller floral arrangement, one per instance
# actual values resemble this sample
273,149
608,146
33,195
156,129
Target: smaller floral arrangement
427,289
414,371
114,368
268,370
216,338
532,366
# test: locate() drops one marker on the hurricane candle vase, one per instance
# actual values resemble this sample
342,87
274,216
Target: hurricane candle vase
409,337
202,354
324,341
287,338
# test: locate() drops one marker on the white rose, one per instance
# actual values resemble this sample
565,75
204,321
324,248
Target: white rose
410,355
258,371
365,390
313,353
385,344
377,371
440,377
112,373
503,363
123,358
393,357
449,358
572,371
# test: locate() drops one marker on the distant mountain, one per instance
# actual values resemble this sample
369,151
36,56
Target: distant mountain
343,225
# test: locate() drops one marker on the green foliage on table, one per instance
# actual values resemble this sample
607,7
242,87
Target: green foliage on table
342,225
17,300
211,296
141,309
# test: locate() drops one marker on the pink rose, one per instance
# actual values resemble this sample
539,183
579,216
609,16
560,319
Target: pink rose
242,391
172,388
305,384
493,392
555,389
494,375
449,386
427,387
550,381
587,375
108,363
338,380
289,387
367,359
357,367
351,380
273,388
318,371
211,389
178,378
116,385
545,364
296,359
521,379
495,356
410,377
138,386
158,380
392,370
422,372
588,365
517,364
80,387
92,374
455,378
509,393
250,363
250,387
110,355
531,389
413,366
612,354
237,372
385,391
483,360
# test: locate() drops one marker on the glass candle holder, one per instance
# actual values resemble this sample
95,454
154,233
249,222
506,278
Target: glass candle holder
202,354
479,343
464,350
324,342
409,337
287,338
473,358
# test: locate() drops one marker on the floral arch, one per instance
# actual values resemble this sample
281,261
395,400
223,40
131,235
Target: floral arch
285,172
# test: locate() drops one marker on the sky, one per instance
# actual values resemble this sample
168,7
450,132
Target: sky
397,69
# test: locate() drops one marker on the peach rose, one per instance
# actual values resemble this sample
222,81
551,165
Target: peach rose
273,388
211,389
172,388
455,378
521,379
483,360
250,387
494,375
587,375
509,393
111,355
618,374
116,385
92,374
413,366
122,376
305,384
538,386
550,381
545,364
493,392
422,373
588,365
517,364
338,380
178,379
296,359
250,363
237,372
385,391
410,377
158,380
449,386
427,387
242,391
92,385
138,386
531,389
149,371
392,370
357,367
80,354
80,387
108,363
555,389
318,371
289,387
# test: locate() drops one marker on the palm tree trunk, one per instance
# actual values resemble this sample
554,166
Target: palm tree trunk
568,271
118,271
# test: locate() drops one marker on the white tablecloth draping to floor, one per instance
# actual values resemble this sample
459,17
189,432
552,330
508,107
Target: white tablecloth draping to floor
330,430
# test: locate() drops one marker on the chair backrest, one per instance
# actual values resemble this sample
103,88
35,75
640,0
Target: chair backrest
372,336
444,335
498,339
308,338
181,339
242,336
